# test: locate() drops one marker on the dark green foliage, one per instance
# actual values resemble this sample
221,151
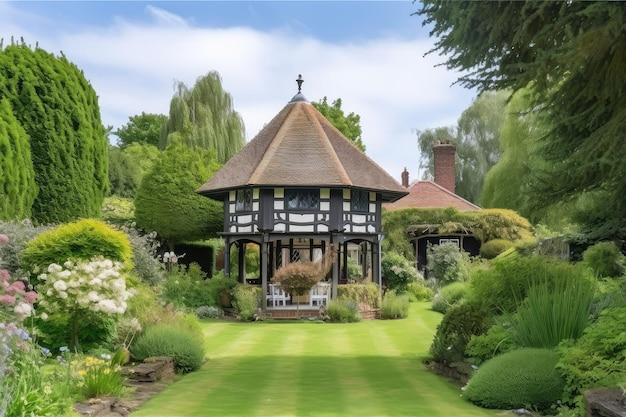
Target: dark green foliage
343,311
247,300
394,306
368,294
17,176
144,128
523,378
128,166
571,55
605,259
204,117
167,203
58,109
19,234
219,285
610,293
398,272
496,341
495,247
181,343
81,240
455,330
349,126
505,285
597,359
449,296
209,312
146,266
96,330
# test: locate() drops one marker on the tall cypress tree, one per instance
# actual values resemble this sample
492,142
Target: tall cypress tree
204,117
58,109
17,176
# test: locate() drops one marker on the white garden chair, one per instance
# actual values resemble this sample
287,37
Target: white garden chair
277,296
320,294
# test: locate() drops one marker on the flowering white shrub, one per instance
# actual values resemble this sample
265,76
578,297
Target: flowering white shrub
96,286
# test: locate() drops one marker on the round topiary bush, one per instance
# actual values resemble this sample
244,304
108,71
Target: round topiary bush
605,259
495,247
449,295
181,343
521,378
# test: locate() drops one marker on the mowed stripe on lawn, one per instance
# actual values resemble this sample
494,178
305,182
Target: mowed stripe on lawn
371,368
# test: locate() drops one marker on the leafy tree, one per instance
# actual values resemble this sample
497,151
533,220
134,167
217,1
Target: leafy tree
572,54
17,176
166,201
476,139
144,128
349,126
58,109
128,165
203,117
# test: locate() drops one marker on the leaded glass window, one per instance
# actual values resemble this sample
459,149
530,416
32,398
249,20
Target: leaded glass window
298,199
359,200
244,200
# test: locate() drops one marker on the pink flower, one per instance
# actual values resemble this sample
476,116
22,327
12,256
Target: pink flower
4,275
4,239
15,287
7,299
30,297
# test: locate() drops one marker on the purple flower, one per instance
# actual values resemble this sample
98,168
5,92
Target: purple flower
45,351
63,349
7,299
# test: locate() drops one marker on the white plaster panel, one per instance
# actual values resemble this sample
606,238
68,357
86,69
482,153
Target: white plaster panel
255,206
324,192
244,229
233,229
324,205
301,218
346,206
244,219
322,228
279,227
371,229
358,218
279,205
372,208
359,229
232,208
301,228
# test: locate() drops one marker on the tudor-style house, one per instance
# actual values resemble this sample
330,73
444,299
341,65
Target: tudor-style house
296,188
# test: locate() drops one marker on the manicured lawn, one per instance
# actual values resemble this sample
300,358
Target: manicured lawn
371,368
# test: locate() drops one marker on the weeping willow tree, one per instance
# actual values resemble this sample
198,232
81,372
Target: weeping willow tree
203,117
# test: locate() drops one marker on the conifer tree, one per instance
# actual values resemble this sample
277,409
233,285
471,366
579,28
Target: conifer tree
58,109
17,176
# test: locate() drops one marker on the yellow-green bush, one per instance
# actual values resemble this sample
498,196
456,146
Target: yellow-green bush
361,293
81,240
495,247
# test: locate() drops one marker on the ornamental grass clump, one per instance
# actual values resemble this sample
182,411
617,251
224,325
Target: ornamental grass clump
175,341
395,306
523,378
449,295
247,301
100,376
343,311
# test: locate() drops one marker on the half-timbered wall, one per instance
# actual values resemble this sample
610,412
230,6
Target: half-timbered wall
365,220
246,220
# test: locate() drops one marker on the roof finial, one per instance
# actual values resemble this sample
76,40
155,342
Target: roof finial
299,81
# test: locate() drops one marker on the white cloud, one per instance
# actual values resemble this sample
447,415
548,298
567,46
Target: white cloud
387,81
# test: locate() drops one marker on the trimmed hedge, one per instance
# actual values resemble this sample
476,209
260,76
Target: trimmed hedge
495,247
523,378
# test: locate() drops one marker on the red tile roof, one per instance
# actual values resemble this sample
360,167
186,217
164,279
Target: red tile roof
428,194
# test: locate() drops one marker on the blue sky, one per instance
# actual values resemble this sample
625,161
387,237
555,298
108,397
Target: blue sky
368,53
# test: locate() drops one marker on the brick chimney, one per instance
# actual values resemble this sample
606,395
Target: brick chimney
405,178
443,159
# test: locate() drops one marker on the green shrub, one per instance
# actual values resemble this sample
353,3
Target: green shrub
449,295
398,272
395,306
368,294
343,311
247,301
219,285
355,272
446,263
169,340
496,341
95,329
554,311
597,358
495,247
208,312
419,291
81,240
455,330
186,286
605,259
146,266
523,378
610,293
503,286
